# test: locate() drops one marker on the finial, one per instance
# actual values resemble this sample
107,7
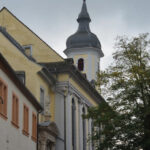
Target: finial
84,0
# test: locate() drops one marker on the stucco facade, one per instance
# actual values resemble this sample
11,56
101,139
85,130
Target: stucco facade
12,137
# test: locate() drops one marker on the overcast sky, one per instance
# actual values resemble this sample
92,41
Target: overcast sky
55,20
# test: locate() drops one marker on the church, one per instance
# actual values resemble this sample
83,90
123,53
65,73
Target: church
65,88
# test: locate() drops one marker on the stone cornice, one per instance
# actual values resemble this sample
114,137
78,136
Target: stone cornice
62,87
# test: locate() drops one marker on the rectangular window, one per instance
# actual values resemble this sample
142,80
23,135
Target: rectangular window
15,111
3,99
25,120
21,76
34,127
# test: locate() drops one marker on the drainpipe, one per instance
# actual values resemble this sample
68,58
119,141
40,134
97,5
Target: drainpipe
37,145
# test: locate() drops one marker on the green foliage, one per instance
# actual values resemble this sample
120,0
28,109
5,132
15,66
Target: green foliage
125,124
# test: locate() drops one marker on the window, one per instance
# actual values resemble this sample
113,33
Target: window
15,111
3,101
21,76
28,50
81,64
34,127
42,98
25,120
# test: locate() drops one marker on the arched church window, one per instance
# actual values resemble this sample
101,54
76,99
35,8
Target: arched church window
81,64
84,129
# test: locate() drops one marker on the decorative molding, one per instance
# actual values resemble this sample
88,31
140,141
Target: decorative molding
63,87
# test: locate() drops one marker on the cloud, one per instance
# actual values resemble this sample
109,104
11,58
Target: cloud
55,20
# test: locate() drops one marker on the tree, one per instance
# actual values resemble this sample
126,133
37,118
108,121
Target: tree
125,123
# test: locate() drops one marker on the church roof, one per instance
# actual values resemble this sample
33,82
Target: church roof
83,37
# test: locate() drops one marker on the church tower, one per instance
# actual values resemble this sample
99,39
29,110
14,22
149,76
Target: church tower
84,46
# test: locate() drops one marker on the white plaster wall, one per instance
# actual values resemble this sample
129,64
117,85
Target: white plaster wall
59,119
68,122
12,138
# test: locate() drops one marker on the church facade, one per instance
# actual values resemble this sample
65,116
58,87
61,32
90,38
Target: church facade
62,86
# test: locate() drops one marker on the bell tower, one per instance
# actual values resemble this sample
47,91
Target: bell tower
84,46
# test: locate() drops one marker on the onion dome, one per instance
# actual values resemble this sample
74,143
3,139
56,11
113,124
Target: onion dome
83,37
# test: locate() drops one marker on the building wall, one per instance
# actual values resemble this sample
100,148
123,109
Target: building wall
43,53
33,80
12,138
40,50
67,91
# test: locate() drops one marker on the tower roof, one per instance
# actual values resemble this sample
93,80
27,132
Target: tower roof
84,15
83,37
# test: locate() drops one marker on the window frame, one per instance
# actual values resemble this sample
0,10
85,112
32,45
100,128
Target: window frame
25,130
34,127
4,97
21,75
15,110
80,64
28,47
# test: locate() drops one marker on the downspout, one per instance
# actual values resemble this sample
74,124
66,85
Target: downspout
37,145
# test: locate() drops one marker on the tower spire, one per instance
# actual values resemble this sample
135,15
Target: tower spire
84,15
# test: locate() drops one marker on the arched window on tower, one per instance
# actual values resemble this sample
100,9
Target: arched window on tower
81,64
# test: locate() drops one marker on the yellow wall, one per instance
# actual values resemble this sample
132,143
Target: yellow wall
41,51
20,63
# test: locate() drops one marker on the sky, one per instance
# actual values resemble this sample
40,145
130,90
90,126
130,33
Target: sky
55,20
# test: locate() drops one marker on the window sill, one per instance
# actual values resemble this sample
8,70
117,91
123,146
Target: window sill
15,125
25,133
34,138
3,116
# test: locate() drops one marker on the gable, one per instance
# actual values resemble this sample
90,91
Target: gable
14,55
41,51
